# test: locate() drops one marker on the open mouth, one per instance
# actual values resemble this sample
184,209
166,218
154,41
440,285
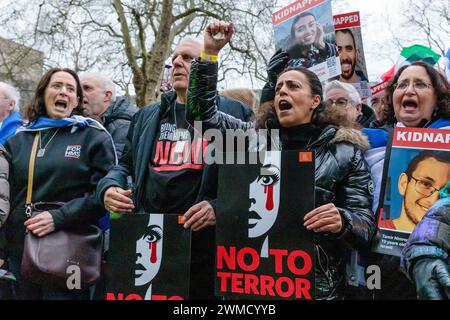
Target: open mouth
346,67
410,104
61,104
284,105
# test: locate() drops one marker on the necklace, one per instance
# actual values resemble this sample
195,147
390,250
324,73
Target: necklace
41,151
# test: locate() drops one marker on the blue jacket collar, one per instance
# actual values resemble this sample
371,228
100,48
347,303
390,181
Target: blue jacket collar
10,126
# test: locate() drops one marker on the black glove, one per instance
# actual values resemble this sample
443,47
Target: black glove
276,65
432,278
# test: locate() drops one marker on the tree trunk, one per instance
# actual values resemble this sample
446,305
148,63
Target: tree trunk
156,56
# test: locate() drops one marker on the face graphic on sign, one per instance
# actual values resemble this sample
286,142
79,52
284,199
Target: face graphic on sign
149,251
264,195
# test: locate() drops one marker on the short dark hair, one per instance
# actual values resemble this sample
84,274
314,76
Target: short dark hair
441,156
349,32
440,85
36,107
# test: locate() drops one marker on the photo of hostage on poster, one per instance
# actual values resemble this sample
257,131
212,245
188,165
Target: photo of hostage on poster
263,249
304,29
149,258
351,52
376,100
417,169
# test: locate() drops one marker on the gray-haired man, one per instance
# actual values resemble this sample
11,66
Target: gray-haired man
100,103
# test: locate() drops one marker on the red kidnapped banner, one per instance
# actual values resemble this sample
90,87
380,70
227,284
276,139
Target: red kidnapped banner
293,9
422,138
379,87
347,20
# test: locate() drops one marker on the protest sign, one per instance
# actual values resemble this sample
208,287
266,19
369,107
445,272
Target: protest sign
417,166
149,258
263,250
351,52
376,99
305,30
379,88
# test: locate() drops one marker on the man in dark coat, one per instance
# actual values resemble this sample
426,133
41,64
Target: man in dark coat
100,103
159,155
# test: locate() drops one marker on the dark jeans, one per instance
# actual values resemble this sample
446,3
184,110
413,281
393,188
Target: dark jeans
26,290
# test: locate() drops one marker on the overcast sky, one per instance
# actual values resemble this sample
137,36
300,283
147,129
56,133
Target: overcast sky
380,51
376,15
378,18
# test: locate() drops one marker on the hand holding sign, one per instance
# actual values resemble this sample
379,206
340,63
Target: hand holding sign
200,216
217,35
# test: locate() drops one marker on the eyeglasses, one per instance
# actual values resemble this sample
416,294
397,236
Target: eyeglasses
417,85
424,187
340,102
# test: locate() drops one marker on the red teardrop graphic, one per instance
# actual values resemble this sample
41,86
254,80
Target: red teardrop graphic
269,201
152,247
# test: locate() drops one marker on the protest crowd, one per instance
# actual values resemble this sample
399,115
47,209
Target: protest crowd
79,160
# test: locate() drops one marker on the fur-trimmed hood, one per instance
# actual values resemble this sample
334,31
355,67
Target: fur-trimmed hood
353,136
347,130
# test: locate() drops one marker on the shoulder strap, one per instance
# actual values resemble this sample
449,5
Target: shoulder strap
31,174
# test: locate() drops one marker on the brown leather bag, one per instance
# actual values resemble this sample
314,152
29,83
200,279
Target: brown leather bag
46,260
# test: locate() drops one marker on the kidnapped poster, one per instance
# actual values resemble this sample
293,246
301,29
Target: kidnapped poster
351,52
304,29
263,251
149,258
417,168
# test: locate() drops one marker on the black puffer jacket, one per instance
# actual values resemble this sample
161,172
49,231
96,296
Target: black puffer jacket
342,178
116,120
